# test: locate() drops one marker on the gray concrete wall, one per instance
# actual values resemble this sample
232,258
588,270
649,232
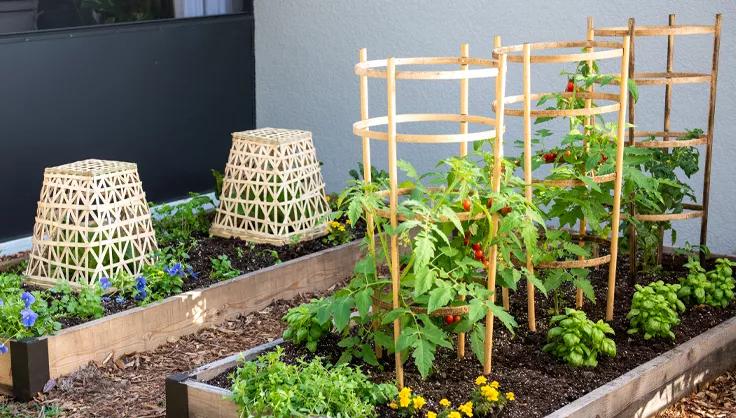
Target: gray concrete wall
305,52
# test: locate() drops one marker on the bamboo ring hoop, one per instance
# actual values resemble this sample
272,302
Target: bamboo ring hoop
613,50
372,68
673,143
592,111
656,30
361,128
605,178
386,213
447,310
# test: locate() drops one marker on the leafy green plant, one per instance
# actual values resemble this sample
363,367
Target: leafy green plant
655,310
22,314
219,179
222,268
577,340
270,387
377,176
176,225
308,323
714,288
337,233
85,304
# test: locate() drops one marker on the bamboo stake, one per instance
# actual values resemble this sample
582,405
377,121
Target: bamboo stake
623,100
363,57
393,203
498,155
527,90
632,207
588,121
504,290
464,53
711,125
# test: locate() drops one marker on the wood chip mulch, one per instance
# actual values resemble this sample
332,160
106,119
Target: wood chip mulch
716,400
133,385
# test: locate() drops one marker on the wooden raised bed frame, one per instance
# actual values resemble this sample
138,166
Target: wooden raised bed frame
31,363
641,392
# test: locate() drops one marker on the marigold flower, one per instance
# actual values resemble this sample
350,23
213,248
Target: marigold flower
466,408
510,396
393,405
418,402
490,393
454,414
431,414
495,384
445,403
481,380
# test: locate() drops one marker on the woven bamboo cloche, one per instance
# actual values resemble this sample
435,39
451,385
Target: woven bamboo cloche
92,221
273,191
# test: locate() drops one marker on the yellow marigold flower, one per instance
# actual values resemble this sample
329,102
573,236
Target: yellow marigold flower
490,393
454,414
431,414
495,384
466,408
418,402
405,392
481,380
393,405
404,402
510,396
445,403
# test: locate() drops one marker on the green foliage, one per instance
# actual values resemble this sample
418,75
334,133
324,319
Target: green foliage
714,288
308,323
84,304
377,176
222,268
176,225
577,340
12,306
219,179
337,233
655,310
270,387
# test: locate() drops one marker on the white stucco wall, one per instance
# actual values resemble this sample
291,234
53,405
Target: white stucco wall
305,52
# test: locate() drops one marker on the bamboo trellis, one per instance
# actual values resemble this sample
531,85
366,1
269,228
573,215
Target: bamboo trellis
92,221
273,190
386,69
665,137
524,54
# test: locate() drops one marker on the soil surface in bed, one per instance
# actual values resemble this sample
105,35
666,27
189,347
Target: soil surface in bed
541,383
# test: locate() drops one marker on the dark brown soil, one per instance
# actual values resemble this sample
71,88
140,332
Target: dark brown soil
541,383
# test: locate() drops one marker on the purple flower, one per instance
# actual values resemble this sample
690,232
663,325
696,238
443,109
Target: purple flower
105,283
175,270
192,273
28,317
140,284
28,299
3,348
105,299
141,295
120,299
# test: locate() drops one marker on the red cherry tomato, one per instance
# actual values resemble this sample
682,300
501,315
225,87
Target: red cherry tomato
457,318
505,210
449,319
478,254
476,247
466,205
570,86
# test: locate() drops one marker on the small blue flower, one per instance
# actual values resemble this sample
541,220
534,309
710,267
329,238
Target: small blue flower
28,317
120,299
175,270
1,302
105,283
28,299
3,348
106,299
140,284
192,273
141,295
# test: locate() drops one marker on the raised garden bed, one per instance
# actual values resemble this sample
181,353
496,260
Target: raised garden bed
31,363
643,378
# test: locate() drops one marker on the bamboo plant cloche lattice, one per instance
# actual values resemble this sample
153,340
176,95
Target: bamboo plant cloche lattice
273,191
92,221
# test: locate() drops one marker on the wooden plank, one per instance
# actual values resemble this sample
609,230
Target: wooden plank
214,369
6,375
647,389
207,401
145,328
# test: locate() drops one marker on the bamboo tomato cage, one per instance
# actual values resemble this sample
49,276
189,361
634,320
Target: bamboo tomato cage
664,138
272,191
386,69
92,221
538,53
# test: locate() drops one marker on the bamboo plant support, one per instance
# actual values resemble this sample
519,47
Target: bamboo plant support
386,69
92,221
664,138
273,190
524,54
